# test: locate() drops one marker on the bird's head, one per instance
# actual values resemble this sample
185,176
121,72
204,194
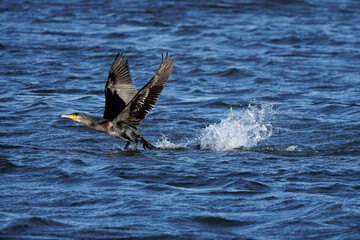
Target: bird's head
79,117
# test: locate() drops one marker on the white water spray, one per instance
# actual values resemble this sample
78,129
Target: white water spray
239,129
164,143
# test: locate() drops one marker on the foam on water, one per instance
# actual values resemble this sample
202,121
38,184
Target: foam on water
243,128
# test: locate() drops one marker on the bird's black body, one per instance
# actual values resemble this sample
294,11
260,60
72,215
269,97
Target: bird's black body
124,106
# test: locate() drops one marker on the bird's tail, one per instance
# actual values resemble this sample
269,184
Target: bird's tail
147,145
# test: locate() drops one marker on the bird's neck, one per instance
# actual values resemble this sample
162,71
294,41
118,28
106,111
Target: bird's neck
101,125
89,122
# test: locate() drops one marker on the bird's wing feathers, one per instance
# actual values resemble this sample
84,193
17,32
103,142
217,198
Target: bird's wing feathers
118,91
136,110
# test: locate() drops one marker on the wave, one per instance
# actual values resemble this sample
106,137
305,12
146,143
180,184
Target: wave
31,225
7,166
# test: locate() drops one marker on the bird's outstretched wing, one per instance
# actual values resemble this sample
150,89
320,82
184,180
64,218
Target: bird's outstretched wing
136,110
118,91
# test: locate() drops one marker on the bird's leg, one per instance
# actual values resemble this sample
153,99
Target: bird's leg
127,145
135,147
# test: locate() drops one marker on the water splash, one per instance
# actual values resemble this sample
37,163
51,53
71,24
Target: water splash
239,129
291,148
164,143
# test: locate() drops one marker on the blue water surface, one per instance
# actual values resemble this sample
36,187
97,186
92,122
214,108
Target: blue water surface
258,126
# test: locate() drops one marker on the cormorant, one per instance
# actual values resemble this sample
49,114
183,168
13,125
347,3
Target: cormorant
124,107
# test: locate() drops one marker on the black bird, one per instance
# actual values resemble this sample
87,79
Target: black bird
124,107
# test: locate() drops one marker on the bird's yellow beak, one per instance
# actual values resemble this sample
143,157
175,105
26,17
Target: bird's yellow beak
71,116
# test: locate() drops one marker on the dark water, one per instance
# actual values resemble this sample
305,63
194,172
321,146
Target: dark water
258,125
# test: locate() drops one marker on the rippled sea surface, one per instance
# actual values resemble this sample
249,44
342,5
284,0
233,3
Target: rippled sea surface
258,126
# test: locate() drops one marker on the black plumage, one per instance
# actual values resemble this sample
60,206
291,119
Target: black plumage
124,106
